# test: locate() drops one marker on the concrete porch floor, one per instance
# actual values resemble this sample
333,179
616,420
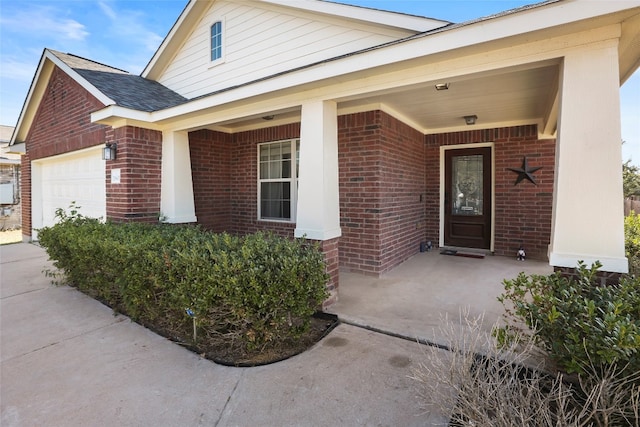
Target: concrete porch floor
413,299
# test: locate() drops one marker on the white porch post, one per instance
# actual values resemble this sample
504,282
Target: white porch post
318,209
588,200
176,203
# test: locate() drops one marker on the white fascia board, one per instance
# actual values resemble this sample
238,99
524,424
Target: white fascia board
114,112
16,137
36,90
319,72
544,17
175,36
232,106
17,149
374,16
79,79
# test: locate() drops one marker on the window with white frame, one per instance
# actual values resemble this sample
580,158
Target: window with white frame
216,41
278,167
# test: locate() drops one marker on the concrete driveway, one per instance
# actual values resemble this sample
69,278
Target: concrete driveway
66,360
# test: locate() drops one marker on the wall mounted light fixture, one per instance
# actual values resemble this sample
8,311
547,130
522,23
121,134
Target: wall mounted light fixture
470,120
109,151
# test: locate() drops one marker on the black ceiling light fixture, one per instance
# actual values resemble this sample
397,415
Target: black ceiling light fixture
525,172
470,120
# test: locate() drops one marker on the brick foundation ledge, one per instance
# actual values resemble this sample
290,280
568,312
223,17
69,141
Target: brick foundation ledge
606,278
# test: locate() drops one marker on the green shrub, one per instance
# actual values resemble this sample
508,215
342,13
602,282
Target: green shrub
259,289
576,321
73,245
632,242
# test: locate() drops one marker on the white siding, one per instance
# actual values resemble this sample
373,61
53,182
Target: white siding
262,40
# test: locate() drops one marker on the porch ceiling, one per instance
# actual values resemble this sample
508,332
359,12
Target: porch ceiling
512,97
501,98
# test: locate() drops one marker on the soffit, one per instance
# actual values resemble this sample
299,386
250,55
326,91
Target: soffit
509,97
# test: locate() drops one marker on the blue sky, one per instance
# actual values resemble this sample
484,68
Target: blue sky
126,33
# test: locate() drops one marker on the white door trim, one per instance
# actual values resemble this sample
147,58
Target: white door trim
443,149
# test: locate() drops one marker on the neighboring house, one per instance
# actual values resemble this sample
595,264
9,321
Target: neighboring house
368,131
10,212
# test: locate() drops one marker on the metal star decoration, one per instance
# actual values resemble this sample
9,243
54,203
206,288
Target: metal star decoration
525,172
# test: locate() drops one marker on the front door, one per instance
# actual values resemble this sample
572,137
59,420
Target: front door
467,198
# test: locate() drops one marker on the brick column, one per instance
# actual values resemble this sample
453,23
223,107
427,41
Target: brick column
605,278
136,197
331,259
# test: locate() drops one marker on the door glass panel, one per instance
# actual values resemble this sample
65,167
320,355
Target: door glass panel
466,185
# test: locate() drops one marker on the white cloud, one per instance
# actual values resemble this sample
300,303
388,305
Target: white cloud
17,70
72,30
44,21
107,10
130,25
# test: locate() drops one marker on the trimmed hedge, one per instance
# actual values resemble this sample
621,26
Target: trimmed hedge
261,289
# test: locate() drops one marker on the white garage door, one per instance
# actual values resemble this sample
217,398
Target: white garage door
78,177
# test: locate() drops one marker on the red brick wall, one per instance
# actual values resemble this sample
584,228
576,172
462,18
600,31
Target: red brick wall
139,158
523,211
61,124
331,250
382,171
403,175
63,120
358,158
389,187
211,172
224,170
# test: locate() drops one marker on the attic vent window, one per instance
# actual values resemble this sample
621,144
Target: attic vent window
216,41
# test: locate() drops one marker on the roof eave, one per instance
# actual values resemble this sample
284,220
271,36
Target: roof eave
374,16
194,8
489,30
17,148
117,116
36,91
189,15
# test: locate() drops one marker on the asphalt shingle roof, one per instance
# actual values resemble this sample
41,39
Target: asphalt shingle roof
127,90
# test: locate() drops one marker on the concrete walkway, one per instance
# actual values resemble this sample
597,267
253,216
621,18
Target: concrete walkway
66,360
413,299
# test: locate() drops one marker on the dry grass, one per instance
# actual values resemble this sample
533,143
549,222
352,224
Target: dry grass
490,386
10,236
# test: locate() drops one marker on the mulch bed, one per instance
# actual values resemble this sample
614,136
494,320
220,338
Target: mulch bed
225,353
228,353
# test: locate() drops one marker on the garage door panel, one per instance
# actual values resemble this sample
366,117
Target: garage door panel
78,178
